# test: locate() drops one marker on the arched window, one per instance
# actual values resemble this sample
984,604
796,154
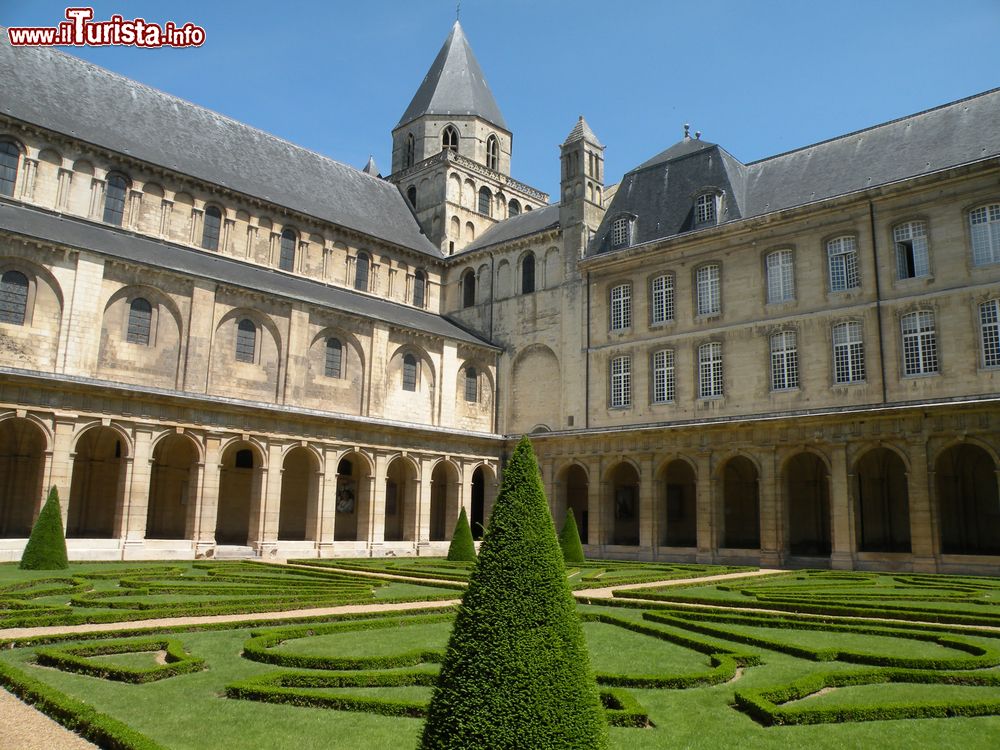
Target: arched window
10,156
485,201
449,139
212,229
114,200
409,373
471,385
513,208
409,151
13,297
140,321
528,274
419,289
469,288
334,358
411,196
493,153
361,272
286,259
246,341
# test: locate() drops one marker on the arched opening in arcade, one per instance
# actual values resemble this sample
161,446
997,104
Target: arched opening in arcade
297,518
444,501
624,505
97,488
173,488
968,505
882,516
22,461
807,495
478,519
240,488
679,503
576,496
352,500
740,504
400,501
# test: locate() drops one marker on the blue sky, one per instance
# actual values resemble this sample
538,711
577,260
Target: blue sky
759,78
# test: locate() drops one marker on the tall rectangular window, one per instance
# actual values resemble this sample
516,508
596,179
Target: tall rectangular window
664,380
710,370
621,307
912,260
333,366
985,226
784,361
619,232
780,276
848,353
114,200
621,382
246,341
704,210
842,254
989,320
663,299
471,385
709,299
919,344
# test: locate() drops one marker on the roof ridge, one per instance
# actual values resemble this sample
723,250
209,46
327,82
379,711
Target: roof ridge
874,127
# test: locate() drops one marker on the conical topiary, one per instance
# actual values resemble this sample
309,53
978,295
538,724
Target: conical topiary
46,548
462,548
569,540
516,673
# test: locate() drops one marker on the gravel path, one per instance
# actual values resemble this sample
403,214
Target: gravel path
24,728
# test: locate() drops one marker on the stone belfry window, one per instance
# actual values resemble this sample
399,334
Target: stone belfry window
449,139
493,153
409,151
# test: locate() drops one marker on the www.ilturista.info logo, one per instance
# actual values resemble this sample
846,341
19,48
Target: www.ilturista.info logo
79,30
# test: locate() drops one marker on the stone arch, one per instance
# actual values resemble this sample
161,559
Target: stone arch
181,215
678,491
483,490
553,269
740,479
574,485
97,487
151,209
622,503
353,499
470,232
967,499
298,513
343,392
47,180
257,379
805,478
454,188
173,486
154,362
23,444
882,503
418,403
503,279
81,189
445,492
527,273
468,194
530,403
455,230
241,481
34,343
484,291
401,480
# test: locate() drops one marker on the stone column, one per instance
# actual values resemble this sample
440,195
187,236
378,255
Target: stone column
707,528
841,526
28,177
647,508
595,530
770,512
376,509
136,500
422,495
208,505
60,468
922,534
264,515
327,511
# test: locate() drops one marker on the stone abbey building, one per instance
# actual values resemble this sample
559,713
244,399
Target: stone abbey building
216,343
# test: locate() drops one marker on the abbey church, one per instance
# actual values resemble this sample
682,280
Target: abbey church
217,344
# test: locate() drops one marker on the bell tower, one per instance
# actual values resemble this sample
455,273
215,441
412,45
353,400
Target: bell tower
581,204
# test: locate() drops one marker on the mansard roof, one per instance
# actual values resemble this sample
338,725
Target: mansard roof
59,92
659,194
454,85
101,239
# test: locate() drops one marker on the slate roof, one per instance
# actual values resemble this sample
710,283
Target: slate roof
582,132
117,243
660,192
62,93
454,85
522,225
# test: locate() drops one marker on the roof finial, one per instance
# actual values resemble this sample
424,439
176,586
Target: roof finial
458,10
687,135
697,135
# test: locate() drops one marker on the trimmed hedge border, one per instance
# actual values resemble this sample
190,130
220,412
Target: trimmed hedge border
99,728
765,705
623,710
77,660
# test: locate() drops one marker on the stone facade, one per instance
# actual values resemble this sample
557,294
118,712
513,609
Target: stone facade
792,362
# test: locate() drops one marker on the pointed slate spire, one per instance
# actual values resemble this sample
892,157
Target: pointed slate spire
454,85
371,168
582,132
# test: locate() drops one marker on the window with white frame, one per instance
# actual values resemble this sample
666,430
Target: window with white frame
848,353
664,380
621,382
662,308
620,232
985,227
912,260
989,321
710,370
919,343
705,209
621,307
780,276
707,283
842,254
784,361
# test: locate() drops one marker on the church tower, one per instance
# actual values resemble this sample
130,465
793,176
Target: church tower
581,206
451,152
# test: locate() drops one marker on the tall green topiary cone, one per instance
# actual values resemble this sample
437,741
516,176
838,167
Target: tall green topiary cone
569,540
462,548
46,548
517,673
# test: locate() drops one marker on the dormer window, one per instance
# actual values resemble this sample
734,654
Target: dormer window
706,210
449,139
493,153
621,232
